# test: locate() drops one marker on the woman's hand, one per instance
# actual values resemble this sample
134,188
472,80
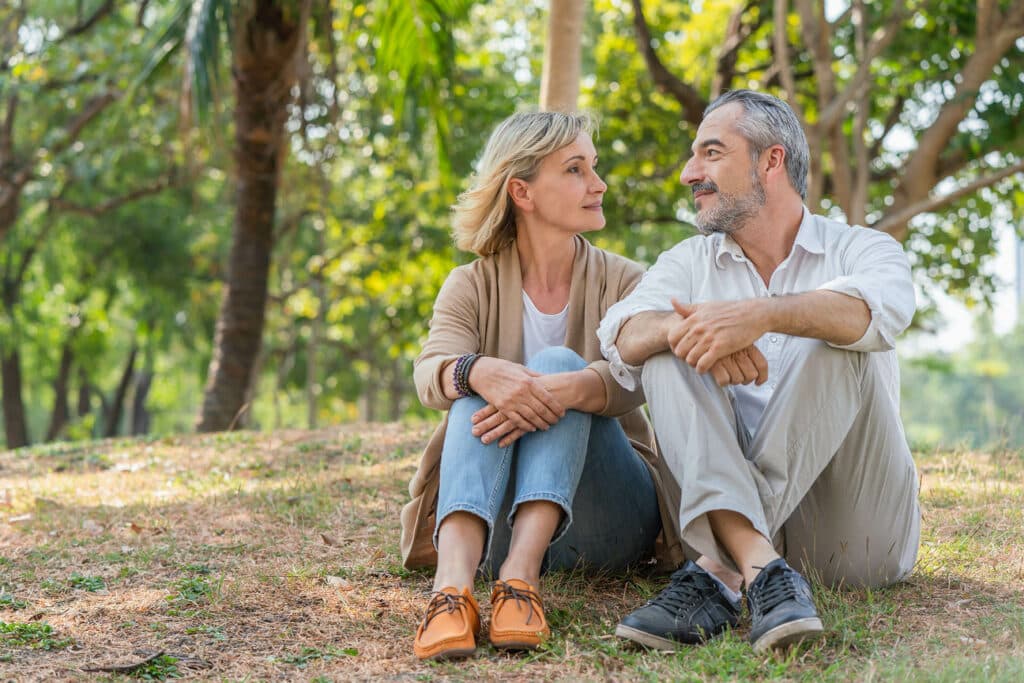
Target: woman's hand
580,390
517,393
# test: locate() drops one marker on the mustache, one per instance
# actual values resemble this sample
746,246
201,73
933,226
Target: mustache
704,187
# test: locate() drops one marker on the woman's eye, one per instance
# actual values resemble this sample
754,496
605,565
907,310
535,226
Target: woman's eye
574,169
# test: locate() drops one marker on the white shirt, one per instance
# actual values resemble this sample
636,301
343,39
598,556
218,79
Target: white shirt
541,330
826,255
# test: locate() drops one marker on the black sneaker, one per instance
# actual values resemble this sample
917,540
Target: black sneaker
691,610
781,608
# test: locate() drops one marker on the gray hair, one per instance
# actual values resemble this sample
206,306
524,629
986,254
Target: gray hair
484,216
770,121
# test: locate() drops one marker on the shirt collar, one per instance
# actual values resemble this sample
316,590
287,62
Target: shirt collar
808,238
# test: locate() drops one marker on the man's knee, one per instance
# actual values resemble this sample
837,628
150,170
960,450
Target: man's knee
660,366
556,359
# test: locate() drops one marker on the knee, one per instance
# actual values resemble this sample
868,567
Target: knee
660,367
462,409
556,359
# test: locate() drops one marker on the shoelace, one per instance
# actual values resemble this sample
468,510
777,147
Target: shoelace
777,587
443,603
507,592
684,589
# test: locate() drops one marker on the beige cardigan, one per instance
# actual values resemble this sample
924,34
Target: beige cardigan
480,310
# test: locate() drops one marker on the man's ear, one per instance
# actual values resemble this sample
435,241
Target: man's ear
774,159
519,191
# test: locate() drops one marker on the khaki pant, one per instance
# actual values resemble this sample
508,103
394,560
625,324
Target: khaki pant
828,474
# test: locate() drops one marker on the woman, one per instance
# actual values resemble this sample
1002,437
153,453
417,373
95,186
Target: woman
543,461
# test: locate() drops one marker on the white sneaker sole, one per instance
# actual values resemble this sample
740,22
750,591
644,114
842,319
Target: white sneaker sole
788,634
648,639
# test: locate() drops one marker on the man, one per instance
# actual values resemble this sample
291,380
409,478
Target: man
767,358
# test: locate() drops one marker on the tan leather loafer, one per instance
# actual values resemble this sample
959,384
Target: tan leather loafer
517,616
450,626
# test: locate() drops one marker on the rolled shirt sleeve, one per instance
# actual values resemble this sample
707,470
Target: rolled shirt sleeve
876,270
668,278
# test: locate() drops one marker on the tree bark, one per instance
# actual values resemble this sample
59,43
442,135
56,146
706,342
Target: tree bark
61,412
269,37
15,424
112,422
140,414
560,80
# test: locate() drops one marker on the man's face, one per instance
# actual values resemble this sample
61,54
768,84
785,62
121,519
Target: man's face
727,191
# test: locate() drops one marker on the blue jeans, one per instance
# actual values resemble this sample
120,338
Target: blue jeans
584,464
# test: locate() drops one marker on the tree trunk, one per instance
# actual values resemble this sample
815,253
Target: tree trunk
560,81
84,404
61,412
112,422
269,37
15,424
140,414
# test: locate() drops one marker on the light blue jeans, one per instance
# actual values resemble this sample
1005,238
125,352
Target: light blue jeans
584,464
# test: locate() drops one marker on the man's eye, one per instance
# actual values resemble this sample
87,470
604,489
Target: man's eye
712,152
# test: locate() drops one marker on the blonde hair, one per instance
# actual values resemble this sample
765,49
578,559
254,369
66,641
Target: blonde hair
483,218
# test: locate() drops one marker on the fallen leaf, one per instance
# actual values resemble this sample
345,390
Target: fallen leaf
91,526
136,528
329,540
20,518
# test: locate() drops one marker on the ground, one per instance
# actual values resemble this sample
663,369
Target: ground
248,556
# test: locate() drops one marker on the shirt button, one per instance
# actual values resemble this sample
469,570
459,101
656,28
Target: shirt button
773,339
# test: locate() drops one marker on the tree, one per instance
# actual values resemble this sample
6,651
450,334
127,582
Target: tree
909,108
55,86
269,38
560,81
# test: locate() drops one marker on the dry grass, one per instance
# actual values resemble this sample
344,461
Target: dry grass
274,557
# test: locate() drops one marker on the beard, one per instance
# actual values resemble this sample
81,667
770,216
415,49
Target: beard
732,211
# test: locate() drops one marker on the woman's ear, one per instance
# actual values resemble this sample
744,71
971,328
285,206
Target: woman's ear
519,191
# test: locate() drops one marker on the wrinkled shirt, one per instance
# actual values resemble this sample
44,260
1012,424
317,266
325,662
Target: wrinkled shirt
826,255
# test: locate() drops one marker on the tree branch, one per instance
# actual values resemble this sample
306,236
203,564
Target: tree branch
831,114
780,44
896,222
692,103
113,203
891,120
90,21
736,35
89,112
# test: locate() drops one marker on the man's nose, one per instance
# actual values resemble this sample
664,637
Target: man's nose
691,173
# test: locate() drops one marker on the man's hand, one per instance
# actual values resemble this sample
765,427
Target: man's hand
721,335
742,367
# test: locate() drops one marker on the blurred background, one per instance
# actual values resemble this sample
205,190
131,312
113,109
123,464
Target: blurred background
218,214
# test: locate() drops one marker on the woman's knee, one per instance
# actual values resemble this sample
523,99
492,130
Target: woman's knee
556,359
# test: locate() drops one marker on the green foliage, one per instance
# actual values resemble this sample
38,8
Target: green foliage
86,583
158,669
971,399
383,136
38,636
9,601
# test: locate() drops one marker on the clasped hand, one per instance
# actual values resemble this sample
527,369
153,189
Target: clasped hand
718,337
517,401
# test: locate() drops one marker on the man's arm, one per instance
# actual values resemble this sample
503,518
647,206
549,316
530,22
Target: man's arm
652,332
644,335
712,331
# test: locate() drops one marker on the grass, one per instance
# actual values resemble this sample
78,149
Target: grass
275,557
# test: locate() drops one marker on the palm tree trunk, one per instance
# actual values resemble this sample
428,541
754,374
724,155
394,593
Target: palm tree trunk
560,81
269,37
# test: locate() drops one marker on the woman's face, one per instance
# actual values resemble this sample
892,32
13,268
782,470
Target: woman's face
566,194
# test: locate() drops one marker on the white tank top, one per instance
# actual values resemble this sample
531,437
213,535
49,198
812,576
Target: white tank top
541,330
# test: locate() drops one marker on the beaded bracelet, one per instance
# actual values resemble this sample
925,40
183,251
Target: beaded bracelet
460,374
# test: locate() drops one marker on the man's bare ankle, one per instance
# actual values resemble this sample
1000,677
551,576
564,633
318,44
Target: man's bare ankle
733,580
